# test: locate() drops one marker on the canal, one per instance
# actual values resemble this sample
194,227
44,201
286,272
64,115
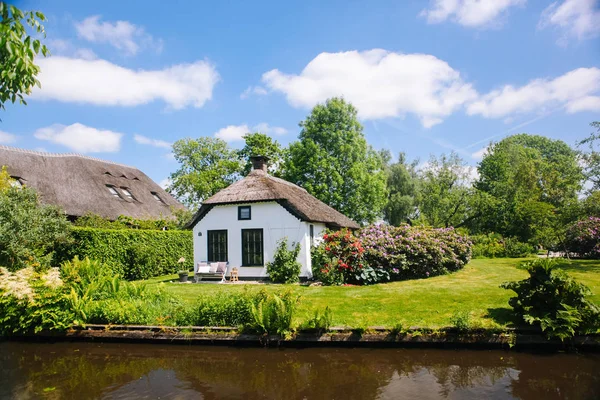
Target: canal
144,371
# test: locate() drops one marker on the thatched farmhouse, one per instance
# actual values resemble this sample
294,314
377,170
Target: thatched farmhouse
80,184
242,223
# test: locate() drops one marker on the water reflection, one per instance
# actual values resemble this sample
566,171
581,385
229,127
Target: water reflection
123,371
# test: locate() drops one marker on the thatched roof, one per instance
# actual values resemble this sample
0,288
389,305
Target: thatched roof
259,186
79,184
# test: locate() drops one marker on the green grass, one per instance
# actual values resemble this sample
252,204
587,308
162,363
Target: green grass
424,302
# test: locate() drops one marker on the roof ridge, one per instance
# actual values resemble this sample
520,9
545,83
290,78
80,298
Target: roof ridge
48,154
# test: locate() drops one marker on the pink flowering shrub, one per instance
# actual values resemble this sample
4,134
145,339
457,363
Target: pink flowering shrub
408,252
382,253
583,237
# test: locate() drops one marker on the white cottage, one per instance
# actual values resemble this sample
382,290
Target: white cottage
242,223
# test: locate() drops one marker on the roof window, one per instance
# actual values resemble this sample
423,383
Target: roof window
113,191
157,197
16,182
127,193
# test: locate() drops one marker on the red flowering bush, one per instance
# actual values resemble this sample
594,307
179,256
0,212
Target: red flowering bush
583,238
340,259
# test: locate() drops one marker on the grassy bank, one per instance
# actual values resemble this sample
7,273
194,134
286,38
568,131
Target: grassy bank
428,303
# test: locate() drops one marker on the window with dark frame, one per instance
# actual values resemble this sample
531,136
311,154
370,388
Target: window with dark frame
252,248
217,245
244,213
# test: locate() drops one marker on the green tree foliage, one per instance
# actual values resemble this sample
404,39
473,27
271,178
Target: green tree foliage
207,165
334,163
29,232
402,190
591,158
532,180
260,144
18,51
446,197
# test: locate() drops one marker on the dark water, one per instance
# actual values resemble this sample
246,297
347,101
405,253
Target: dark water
135,371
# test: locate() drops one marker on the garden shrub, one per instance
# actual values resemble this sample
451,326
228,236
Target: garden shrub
493,245
29,232
133,254
225,309
340,259
91,220
32,301
285,267
583,238
408,252
381,253
554,301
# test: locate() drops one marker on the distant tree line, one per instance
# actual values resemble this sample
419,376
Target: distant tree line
527,186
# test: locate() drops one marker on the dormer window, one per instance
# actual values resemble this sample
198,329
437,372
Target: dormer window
244,213
16,182
127,193
157,197
113,191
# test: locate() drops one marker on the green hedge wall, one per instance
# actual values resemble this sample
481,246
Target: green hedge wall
132,253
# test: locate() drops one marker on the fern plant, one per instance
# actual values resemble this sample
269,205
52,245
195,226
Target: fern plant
274,314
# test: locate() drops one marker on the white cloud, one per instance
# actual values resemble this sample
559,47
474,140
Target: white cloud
100,82
165,183
379,83
152,142
263,127
253,90
478,155
6,138
81,138
234,133
62,47
579,19
587,103
123,35
577,90
471,13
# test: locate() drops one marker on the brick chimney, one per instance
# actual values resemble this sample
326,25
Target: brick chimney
259,163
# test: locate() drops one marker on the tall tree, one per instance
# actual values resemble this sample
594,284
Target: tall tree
446,197
18,51
333,162
591,157
402,190
532,179
207,165
260,144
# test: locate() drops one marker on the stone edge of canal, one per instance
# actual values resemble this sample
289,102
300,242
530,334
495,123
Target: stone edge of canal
527,339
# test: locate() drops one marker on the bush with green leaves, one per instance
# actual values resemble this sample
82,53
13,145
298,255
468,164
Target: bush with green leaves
32,301
493,245
285,267
30,232
320,321
91,220
133,254
554,301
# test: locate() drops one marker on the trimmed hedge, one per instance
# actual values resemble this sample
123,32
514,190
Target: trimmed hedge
132,253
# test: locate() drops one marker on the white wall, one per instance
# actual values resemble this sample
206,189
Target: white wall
276,223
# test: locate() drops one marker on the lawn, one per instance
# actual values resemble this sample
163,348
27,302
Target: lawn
423,302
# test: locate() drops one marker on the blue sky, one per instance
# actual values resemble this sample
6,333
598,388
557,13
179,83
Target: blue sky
128,78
